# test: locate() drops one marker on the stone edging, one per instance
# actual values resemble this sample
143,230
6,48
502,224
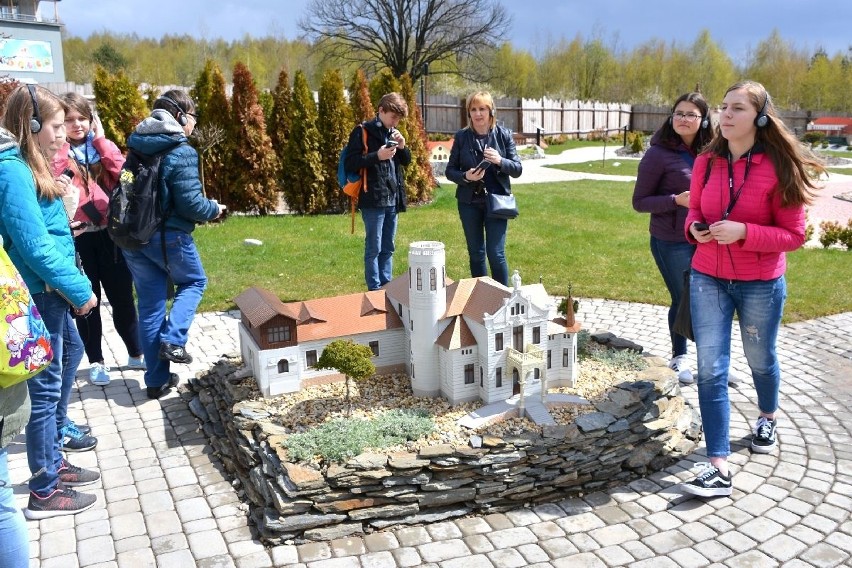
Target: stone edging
642,426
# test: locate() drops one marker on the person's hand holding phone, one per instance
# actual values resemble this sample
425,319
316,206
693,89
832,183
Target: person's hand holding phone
388,150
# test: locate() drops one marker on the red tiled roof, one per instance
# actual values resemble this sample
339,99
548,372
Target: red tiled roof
456,335
343,316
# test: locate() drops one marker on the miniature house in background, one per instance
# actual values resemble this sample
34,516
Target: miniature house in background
470,340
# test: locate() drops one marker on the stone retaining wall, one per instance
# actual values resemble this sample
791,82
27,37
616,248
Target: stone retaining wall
642,426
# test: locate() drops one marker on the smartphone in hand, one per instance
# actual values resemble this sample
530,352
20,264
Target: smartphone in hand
483,165
391,144
701,227
69,172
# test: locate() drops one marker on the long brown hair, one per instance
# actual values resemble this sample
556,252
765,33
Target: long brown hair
19,113
80,104
796,166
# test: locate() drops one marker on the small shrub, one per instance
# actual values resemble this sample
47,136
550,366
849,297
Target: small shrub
556,140
343,438
849,148
813,137
809,232
830,233
621,359
637,143
439,137
845,236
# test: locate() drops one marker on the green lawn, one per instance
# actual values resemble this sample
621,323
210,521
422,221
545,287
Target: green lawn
584,233
617,167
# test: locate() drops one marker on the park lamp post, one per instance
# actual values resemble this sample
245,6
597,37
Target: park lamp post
423,110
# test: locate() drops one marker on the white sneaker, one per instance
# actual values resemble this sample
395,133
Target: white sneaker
684,373
99,374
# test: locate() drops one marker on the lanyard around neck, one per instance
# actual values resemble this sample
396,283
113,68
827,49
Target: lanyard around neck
734,196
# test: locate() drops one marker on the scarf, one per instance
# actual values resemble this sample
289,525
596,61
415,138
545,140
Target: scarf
85,153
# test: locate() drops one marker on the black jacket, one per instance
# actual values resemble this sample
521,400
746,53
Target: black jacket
385,185
466,154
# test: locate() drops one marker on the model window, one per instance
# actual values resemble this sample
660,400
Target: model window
278,334
566,357
481,377
548,358
399,309
311,358
498,342
518,338
419,278
499,377
374,347
433,279
536,334
536,374
468,374
283,366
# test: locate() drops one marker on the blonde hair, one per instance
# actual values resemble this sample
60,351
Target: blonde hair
19,113
481,97
796,166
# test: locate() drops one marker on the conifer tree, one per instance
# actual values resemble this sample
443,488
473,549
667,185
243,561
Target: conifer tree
255,163
334,123
419,179
120,106
279,123
214,112
359,97
380,85
302,173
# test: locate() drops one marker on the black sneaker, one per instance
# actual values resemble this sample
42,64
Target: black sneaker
157,392
709,482
764,439
174,353
74,476
62,501
73,440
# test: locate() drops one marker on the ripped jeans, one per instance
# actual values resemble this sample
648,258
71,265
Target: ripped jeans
759,305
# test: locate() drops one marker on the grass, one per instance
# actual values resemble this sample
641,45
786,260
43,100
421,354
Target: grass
583,233
617,167
572,143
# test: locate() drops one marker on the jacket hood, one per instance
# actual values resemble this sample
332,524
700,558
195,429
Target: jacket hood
7,140
157,133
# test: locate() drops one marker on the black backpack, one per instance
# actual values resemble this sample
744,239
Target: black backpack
135,212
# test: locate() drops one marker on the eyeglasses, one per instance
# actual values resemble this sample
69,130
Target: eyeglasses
193,115
687,116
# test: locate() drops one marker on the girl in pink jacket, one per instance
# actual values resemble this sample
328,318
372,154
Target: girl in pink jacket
93,163
746,210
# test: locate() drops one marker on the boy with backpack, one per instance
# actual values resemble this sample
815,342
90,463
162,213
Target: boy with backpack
170,255
384,197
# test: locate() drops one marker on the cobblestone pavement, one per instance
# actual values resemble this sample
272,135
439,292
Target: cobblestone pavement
163,500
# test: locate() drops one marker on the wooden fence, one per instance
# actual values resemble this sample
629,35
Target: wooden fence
532,118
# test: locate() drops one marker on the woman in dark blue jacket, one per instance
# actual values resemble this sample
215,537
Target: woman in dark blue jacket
483,140
662,189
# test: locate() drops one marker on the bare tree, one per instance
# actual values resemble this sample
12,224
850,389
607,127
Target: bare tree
406,35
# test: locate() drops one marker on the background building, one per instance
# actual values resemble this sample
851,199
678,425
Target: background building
31,41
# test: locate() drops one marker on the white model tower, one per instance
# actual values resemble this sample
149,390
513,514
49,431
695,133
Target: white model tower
428,303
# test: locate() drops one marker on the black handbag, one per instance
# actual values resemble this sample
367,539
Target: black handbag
683,318
501,206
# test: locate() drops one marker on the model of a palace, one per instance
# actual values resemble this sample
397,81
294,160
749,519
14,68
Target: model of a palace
466,340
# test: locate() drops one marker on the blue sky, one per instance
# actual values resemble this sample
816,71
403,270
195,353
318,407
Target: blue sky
738,25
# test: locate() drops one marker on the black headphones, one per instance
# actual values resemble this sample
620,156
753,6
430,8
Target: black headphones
762,119
181,114
35,121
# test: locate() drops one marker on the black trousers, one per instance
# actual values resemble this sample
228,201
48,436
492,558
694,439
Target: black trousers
107,270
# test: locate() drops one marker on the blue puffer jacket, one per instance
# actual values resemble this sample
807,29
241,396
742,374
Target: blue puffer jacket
180,186
35,231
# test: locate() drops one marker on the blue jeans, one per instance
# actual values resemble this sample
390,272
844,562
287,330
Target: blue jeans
153,281
759,305
673,259
380,229
49,393
72,354
492,245
14,539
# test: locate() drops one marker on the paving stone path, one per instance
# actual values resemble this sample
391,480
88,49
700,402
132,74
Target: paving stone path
164,502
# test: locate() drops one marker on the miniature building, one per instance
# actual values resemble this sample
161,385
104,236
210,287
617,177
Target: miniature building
474,339
439,150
